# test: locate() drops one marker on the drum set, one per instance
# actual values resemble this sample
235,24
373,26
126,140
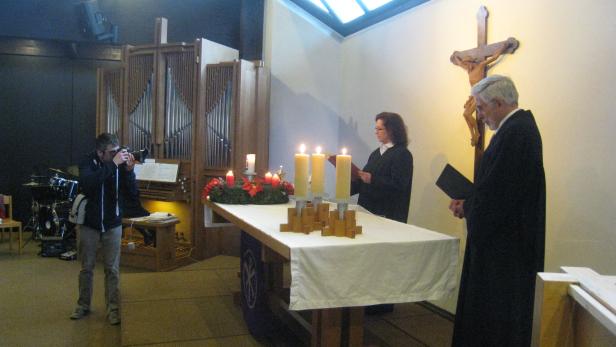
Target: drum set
52,198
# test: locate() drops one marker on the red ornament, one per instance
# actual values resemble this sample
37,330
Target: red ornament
252,188
288,187
208,188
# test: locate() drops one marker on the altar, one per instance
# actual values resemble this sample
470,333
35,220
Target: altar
390,262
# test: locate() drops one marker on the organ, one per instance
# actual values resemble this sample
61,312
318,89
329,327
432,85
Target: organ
195,104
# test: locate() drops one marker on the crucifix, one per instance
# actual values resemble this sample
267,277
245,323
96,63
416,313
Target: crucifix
476,62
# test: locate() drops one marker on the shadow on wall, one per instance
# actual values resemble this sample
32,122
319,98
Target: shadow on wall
351,140
430,205
301,118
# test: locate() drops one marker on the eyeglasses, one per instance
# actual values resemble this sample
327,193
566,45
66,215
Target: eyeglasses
379,129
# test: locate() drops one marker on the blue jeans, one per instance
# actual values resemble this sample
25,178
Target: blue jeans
111,244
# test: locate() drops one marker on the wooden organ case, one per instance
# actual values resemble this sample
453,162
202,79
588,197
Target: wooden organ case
194,104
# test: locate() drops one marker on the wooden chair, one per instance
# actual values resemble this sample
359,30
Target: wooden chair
10,224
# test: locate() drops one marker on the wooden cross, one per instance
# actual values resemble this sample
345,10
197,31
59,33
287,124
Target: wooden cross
476,62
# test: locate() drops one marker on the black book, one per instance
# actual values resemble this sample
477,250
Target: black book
354,169
454,184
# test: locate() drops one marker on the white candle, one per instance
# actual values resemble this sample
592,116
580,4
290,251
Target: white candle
301,173
318,173
343,176
250,163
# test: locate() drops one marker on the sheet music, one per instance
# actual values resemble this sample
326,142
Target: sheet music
155,217
159,172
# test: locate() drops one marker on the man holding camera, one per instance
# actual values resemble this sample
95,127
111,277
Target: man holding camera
106,176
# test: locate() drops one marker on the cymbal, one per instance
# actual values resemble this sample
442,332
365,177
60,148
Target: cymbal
34,184
58,171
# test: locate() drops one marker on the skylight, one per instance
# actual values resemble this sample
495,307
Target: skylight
349,16
319,4
372,4
345,10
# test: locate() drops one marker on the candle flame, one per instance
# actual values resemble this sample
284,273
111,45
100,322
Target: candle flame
318,149
302,148
230,173
344,151
268,174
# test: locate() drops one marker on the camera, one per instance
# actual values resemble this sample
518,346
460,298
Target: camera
139,155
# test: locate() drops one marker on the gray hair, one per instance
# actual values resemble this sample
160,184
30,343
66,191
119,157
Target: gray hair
105,139
496,87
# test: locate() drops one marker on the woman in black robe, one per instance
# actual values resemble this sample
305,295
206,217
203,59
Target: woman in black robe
384,184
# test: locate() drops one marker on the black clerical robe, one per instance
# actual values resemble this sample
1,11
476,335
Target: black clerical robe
389,192
506,237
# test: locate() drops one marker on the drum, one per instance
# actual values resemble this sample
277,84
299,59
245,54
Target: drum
63,188
70,190
43,193
52,221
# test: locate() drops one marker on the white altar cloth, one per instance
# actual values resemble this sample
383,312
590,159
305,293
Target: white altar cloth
390,262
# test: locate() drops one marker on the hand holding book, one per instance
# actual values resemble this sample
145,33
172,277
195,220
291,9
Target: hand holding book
454,184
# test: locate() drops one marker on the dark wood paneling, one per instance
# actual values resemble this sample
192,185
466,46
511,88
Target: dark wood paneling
57,48
48,118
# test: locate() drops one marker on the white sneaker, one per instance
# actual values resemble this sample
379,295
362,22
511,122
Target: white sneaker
113,317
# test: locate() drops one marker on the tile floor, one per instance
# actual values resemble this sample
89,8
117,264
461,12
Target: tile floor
191,306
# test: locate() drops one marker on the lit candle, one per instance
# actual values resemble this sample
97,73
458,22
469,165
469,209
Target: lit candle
250,163
318,173
343,176
230,179
268,178
275,180
301,173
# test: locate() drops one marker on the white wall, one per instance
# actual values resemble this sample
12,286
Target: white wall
304,58
563,71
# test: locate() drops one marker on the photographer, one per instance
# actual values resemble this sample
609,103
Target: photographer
106,177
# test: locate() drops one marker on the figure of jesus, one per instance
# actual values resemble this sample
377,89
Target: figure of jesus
476,68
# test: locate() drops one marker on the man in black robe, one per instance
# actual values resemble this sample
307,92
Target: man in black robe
506,225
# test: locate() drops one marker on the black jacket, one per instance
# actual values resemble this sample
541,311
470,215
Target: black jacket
389,192
505,244
105,194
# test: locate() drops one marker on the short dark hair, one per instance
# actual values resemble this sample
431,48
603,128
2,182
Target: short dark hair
394,126
105,139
